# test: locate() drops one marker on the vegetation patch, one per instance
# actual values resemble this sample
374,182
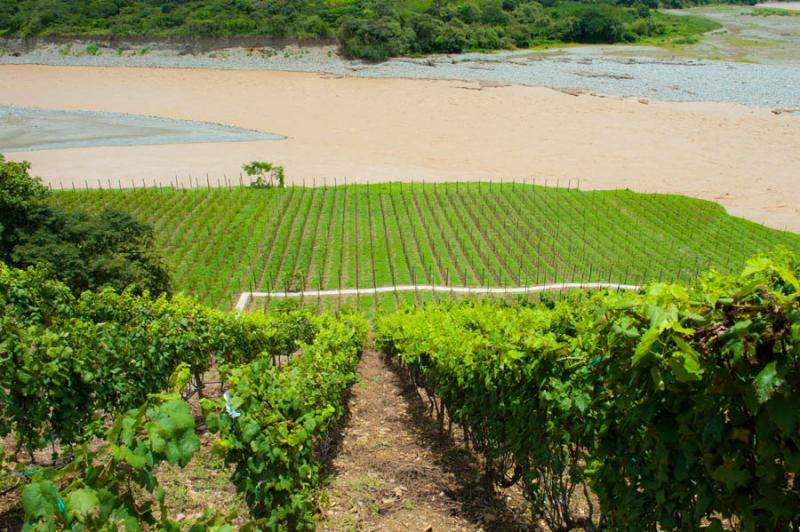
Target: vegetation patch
220,242
773,12
677,407
372,30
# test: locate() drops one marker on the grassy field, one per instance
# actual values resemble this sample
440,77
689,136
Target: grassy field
221,242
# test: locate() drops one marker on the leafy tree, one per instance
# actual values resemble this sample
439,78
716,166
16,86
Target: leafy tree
374,39
20,194
266,174
593,24
90,252
84,251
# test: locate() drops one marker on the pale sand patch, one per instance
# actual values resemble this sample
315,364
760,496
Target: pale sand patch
793,6
387,129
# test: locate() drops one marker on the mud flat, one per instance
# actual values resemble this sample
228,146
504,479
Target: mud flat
369,130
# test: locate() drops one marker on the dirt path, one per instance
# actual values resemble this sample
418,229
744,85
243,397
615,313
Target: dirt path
395,472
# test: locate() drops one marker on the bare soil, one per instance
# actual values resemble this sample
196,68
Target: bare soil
396,471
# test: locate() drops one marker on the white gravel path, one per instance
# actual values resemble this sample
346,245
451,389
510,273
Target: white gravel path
244,297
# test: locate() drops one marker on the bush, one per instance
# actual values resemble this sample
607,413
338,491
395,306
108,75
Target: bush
85,251
454,38
374,39
596,25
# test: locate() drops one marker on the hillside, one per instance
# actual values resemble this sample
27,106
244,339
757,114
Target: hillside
220,242
368,30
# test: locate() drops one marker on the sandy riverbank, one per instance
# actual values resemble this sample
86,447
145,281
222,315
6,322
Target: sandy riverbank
381,129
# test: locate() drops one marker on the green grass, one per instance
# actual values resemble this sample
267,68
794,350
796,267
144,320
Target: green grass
679,29
221,242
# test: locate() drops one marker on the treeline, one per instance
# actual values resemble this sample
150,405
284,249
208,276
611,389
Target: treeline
368,29
677,408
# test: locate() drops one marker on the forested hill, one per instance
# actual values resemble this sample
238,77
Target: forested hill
369,29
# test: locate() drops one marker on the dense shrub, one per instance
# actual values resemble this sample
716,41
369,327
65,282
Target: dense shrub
85,251
374,39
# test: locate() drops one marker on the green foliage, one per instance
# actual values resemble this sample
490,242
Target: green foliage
88,252
111,485
374,39
675,29
275,420
85,251
711,393
678,405
592,24
460,234
20,194
266,174
773,12
371,30
66,361
63,360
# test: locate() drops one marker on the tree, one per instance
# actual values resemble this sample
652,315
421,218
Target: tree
596,24
374,39
85,251
264,171
20,194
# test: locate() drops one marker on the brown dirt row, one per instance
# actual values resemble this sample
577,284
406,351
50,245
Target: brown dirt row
396,471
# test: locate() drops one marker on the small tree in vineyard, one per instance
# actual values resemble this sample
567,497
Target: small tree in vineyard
265,174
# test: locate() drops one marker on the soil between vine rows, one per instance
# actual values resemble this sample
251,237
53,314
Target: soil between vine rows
396,471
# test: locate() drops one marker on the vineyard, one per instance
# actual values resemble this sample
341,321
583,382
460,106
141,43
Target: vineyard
672,409
109,386
220,242
665,400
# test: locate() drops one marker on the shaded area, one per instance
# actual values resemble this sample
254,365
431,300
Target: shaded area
28,128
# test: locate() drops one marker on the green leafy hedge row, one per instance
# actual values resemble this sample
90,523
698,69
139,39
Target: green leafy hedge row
65,360
276,420
272,424
111,485
678,407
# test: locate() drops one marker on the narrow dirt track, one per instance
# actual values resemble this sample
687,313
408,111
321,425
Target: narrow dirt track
394,471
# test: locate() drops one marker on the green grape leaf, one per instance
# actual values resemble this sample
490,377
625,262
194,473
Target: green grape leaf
39,499
685,366
732,478
82,503
645,343
784,412
767,382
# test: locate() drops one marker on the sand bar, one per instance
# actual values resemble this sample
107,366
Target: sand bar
372,130
30,128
